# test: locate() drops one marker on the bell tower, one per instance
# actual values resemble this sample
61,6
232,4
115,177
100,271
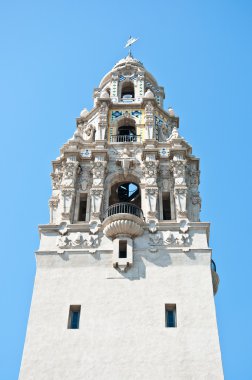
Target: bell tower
125,280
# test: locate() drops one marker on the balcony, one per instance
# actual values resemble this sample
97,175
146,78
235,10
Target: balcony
125,138
215,277
123,219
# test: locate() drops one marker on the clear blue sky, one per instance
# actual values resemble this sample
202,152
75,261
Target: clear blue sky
53,53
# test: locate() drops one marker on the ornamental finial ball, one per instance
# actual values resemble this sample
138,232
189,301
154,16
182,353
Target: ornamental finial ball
149,94
171,111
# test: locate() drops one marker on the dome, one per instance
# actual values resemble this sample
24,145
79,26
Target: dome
135,64
129,59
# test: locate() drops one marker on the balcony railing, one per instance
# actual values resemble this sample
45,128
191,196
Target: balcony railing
123,208
125,138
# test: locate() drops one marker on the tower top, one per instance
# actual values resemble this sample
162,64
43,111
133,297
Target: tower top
128,82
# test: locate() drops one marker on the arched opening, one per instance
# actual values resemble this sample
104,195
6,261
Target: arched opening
128,92
126,131
128,192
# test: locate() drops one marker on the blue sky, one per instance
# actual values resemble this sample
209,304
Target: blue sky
53,53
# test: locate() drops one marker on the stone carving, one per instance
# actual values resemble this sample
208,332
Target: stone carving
67,195
178,166
150,170
180,201
175,134
126,161
165,132
77,240
196,206
84,179
156,239
88,133
103,121
194,179
69,173
53,202
179,239
96,198
151,195
98,171
56,178
165,185
152,225
149,120
123,227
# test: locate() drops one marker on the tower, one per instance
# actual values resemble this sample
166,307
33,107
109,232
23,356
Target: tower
125,283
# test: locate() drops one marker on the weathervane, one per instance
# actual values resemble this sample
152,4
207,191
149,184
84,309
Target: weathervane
130,42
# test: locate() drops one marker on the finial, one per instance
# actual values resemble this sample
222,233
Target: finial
130,42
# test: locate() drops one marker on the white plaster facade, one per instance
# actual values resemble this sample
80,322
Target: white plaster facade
126,138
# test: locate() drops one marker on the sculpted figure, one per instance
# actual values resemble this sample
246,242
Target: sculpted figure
88,133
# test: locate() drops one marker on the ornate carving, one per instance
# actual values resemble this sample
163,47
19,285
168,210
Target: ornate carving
126,161
96,198
175,134
77,240
53,202
180,201
98,171
165,131
69,173
151,195
150,170
84,178
67,193
123,227
156,239
88,133
196,206
180,239
103,121
178,166
194,179
149,120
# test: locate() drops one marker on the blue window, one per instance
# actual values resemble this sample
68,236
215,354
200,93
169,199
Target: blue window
170,315
74,317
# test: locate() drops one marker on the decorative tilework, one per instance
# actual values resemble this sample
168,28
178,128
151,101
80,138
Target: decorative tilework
136,113
116,114
164,152
86,153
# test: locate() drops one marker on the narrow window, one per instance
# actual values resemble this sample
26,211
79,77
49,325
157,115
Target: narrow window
83,207
166,206
74,316
170,315
122,249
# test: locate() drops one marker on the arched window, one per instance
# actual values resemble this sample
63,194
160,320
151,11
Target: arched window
126,131
128,192
128,92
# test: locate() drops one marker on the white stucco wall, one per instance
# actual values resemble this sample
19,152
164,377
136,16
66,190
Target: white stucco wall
122,332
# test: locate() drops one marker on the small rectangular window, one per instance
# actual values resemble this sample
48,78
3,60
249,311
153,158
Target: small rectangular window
122,249
170,315
83,208
74,316
166,206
